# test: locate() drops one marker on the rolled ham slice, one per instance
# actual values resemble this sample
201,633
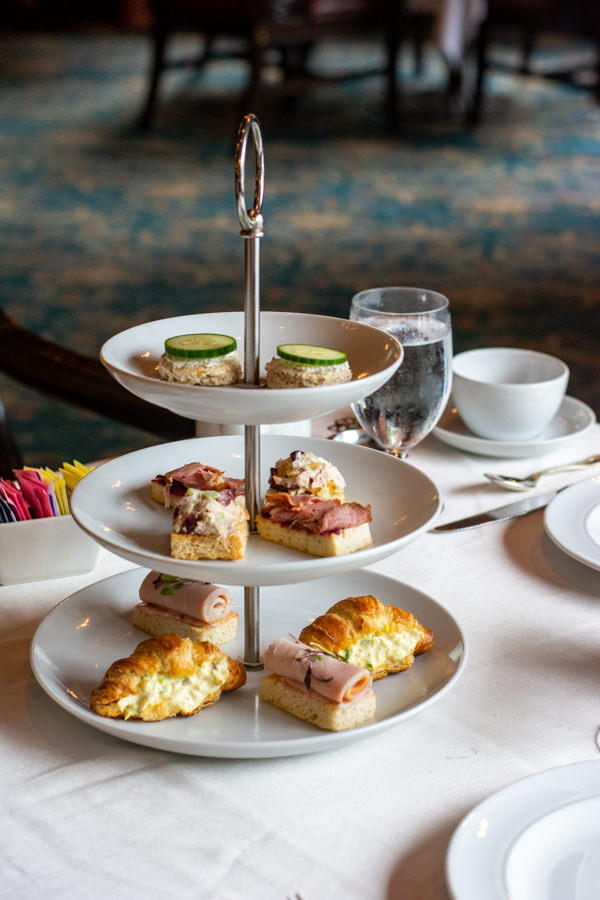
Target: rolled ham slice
197,599
331,678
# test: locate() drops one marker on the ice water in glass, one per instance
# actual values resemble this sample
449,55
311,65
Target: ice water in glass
409,405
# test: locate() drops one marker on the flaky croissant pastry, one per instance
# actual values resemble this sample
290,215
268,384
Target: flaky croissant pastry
365,632
166,676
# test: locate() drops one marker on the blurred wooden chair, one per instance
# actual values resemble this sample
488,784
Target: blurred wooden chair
260,29
529,20
75,379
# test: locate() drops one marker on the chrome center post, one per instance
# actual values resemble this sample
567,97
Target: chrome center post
251,221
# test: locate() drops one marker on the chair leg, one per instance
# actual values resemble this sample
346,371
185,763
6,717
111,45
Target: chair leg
420,26
158,66
473,115
528,43
294,64
206,54
392,100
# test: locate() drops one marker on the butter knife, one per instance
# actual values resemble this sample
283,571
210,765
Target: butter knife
500,514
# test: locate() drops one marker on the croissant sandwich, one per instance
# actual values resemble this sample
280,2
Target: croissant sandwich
365,632
166,676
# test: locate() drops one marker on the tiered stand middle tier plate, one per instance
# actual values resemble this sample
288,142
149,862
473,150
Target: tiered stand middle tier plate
113,504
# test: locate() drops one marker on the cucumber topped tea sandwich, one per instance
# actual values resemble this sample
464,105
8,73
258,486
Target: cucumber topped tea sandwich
307,365
205,359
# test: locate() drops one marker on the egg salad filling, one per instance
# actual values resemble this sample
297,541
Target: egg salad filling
375,651
181,695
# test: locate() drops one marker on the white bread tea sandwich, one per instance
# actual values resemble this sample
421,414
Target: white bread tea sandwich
164,677
316,686
209,525
206,359
194,609
307,365
167,489
365,632
304,509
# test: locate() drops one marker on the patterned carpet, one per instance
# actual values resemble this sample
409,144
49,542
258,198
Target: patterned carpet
103,228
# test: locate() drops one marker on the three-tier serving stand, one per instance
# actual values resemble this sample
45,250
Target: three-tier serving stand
118,514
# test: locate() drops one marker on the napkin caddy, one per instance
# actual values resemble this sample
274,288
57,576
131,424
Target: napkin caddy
44,548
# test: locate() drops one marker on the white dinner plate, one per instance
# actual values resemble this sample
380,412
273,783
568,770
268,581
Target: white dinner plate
114,506
537,839
132,357
572,521
83,635
572,419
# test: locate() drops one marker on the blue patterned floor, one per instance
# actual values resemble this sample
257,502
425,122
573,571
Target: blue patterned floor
103,228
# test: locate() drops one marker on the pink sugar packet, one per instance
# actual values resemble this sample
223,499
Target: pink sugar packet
15,499
36,493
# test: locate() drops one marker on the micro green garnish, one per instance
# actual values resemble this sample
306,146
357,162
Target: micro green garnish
343,656
174,582
311,655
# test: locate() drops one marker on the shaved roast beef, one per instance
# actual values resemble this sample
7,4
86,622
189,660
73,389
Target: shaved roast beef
313,514
199,476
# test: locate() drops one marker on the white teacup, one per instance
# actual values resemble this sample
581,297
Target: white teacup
508,394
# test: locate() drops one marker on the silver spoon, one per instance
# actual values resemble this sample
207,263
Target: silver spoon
512,483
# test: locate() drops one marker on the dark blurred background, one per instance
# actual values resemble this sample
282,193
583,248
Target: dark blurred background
491,198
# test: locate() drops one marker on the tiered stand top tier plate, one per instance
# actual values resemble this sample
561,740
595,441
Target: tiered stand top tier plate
132,357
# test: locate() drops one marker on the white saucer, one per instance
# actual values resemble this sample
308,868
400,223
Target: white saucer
572,521
572,419
536,839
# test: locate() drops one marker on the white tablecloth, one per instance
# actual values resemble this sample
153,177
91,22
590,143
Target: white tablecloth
85,815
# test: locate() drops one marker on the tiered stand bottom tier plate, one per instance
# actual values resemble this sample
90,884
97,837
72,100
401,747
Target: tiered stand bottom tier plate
69,660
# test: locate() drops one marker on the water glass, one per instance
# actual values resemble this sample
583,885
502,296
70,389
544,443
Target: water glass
409,405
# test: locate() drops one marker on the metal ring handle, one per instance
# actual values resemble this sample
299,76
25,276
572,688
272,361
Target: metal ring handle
251,220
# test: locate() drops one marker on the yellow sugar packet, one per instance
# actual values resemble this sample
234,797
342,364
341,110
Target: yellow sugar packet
56,481
73,473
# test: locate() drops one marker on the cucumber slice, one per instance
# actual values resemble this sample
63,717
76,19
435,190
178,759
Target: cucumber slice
311,355
199,346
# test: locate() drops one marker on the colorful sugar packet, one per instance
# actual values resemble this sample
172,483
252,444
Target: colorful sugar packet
39,493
